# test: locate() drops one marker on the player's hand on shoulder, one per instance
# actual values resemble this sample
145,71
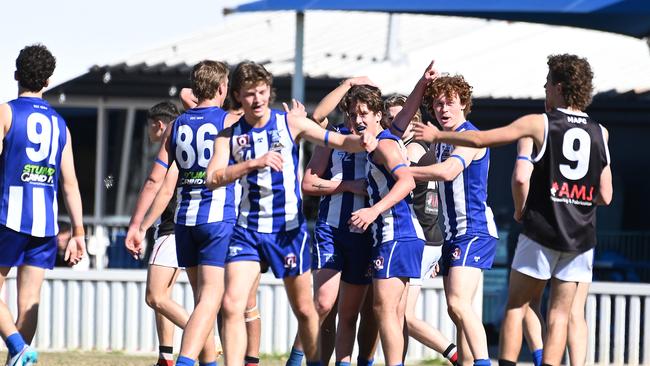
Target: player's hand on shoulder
425,132
297,109
271,159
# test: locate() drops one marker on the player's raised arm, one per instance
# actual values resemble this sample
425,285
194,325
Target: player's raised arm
332,99
307,129
404,117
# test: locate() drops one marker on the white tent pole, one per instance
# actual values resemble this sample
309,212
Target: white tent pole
298,80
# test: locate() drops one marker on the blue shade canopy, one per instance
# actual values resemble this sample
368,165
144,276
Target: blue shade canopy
628,17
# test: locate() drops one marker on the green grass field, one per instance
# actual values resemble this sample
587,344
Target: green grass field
122,359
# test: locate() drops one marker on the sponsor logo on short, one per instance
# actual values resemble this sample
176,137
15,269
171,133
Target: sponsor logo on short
379,263
290,261
477,258
455,254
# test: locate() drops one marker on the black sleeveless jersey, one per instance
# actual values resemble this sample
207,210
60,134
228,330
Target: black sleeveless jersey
560,208
425,205
166,225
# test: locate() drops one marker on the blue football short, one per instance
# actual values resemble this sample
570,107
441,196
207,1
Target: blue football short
205,244
22,249
347,252
468,251
286,252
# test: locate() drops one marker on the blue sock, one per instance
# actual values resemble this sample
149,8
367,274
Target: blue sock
399,364
184,361
315,363
341,363
213,363
15,343
537,357
295,357
363,362
482,362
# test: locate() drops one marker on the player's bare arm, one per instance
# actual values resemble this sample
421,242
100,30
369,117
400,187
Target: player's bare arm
77,245
314,185
301,127
219,173
332,99
520,182
162,199
149,190
449,169
606,189
388,154
187,98
531,125
5,123
404,117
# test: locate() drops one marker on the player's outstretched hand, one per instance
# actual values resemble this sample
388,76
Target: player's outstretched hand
297,109
75,250
363,218
424,132
271,159
368,141
133,241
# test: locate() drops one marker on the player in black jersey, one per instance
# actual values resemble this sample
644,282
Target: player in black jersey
571,176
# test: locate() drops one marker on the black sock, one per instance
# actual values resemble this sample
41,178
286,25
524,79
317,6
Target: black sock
506,363
251,360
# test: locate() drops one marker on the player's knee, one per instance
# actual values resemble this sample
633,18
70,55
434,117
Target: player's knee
233,306
305,311
456,308
154,300
323,306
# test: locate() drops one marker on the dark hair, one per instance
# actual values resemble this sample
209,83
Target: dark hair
206,77
164,111
248,73
394,100
34,65
575,76
448,86
368,94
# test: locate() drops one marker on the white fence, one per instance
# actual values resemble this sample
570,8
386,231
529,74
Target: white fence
105,310
626,339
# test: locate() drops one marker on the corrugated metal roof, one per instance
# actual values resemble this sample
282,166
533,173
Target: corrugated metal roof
500,59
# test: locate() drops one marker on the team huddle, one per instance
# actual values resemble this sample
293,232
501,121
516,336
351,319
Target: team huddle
401,201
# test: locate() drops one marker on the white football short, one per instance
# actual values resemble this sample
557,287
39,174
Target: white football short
430,257
538,261
164,252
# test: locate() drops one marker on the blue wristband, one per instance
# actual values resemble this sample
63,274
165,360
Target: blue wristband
524,157
397,167
327,137
165,165
461,160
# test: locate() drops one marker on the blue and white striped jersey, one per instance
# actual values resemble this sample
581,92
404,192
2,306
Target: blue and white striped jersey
270,200
464,200
29,168
335,210
400,222
191,145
